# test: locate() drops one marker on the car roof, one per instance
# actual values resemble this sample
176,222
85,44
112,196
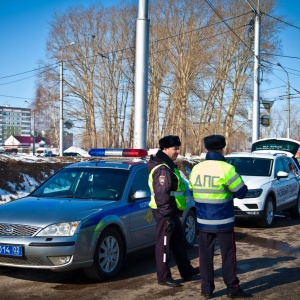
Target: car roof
272,145
115,164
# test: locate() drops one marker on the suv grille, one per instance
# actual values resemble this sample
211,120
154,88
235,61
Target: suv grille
17,230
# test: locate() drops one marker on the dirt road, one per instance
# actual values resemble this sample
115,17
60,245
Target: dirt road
268,267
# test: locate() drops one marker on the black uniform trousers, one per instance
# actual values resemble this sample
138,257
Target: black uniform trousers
228,253
176,242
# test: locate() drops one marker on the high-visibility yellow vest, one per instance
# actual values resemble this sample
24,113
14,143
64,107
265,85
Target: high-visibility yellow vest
213,183
179,194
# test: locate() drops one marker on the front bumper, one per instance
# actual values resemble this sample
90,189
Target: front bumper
249,214
61,254
249,208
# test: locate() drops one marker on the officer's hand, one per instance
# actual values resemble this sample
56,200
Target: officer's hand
170,225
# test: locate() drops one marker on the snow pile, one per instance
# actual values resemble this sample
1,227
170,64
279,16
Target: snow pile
77,150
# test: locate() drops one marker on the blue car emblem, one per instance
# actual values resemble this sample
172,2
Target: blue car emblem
8,229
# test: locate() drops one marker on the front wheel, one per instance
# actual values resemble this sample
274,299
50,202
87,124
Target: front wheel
108,257
268,214
190,229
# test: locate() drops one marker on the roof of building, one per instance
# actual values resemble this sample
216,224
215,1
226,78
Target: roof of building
27,139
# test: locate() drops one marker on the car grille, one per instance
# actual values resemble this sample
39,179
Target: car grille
30,261
17,230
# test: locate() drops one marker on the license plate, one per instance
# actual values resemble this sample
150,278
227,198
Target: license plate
11,250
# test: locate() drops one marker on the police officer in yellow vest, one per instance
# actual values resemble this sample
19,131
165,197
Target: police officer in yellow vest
167,202
214,184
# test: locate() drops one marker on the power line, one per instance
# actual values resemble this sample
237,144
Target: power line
26,72
216,12
106,55
16,97
271,54
279,20
25,77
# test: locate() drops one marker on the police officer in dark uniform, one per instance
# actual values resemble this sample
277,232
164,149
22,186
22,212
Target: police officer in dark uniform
168,202
215,183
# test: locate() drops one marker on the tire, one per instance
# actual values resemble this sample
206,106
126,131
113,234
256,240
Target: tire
295,211
108,257
268,215
190,228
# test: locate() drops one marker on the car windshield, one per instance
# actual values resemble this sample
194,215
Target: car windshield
251,166
83,183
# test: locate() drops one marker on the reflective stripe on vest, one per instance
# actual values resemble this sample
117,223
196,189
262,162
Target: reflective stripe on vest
215,222
213,183
179,194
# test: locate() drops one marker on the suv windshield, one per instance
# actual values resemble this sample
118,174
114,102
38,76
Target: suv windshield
83,183
250,166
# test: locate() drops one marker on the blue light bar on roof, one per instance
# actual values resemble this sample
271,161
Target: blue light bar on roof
120,152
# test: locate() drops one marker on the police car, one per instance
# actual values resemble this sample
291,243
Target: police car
272,175
88,215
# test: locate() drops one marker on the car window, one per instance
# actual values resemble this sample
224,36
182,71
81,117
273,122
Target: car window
140,181
89,183
290,166
278,166
251,166
286,165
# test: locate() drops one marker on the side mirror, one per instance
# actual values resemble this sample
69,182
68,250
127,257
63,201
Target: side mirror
141,194
282,174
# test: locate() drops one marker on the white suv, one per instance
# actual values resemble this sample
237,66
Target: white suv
272,175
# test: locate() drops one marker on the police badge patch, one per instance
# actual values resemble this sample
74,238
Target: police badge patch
162,180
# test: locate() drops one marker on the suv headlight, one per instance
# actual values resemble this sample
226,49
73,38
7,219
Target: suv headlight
60,229
254,193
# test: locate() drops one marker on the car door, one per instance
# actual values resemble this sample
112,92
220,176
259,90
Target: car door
141,223
285,188
293,186
280,185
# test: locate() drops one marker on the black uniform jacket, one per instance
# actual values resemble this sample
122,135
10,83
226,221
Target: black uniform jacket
164,181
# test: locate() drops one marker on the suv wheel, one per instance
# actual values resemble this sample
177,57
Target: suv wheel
268,214
108,257
295,211
190,229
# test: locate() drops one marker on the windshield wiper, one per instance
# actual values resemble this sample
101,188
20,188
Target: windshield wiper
80,197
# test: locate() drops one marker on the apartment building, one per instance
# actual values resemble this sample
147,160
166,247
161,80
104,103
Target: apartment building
14,121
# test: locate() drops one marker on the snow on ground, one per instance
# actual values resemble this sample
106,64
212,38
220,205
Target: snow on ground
30,182
6,196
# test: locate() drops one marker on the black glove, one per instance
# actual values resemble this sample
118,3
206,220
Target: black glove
170,225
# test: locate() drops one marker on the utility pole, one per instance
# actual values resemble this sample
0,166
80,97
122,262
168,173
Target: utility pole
141,76
256,104
288,106
61,106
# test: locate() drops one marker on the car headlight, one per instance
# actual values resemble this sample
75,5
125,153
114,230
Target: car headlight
254,193
60,229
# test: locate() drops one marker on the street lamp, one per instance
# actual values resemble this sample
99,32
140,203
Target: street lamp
288,100
61,115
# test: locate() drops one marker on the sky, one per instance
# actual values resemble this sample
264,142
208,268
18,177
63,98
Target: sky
24,27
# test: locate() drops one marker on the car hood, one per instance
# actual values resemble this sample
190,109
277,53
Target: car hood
281,144
255,182
44,211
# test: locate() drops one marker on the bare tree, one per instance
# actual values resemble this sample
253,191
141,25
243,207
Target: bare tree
200,70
